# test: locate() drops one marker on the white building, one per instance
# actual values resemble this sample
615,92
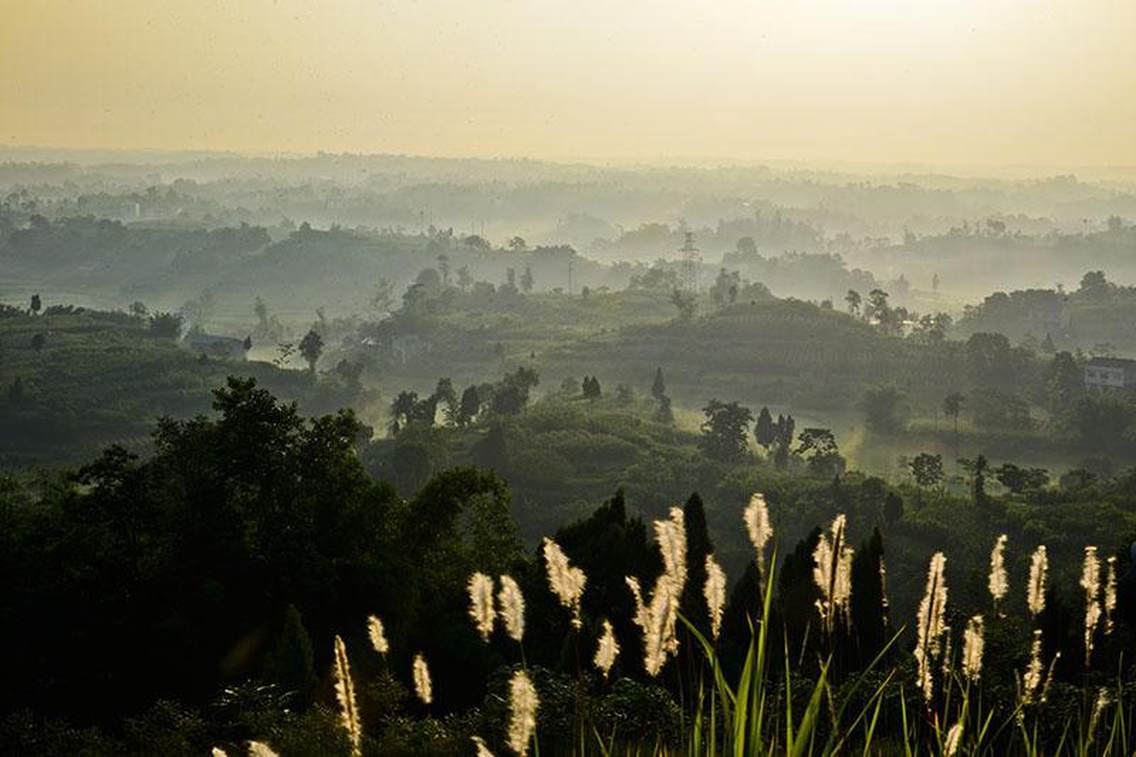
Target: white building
1105,373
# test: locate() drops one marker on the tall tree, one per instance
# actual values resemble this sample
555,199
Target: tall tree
764,431
311,347
659,387
725,430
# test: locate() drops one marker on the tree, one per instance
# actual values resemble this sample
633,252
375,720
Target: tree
868,601
36,304
402,410
247,343
527,280
664,414
311,347
1065,383
854,300
764,432
166,325
893,507
927,469
686,303
511,394
884,409
291,665
470,406
877,308
659,387
952,407
518,244
591,388
990,359
139,310
39,339
977,469
725,289
1094,284
819,445
1022,480
725,430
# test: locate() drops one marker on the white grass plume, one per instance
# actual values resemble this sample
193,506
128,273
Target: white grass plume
931,622
1090,582
973,645
567,582
607,649
1110,595
260,749
758,526
954,738
345,693
479,745
715,592
481,604
523,704
423,687
511,608
1031,679
377,635
832,573
998,583
1035,591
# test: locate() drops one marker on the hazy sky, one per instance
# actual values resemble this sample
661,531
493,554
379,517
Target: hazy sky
939,81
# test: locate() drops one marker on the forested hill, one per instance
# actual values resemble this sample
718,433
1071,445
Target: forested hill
73,381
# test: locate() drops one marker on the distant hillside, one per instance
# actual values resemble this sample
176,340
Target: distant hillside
73,381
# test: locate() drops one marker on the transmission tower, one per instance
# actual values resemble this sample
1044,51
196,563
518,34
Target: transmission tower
691,263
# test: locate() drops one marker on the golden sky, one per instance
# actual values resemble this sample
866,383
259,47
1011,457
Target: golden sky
1044,82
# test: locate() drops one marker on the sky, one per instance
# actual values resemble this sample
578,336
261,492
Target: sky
936,82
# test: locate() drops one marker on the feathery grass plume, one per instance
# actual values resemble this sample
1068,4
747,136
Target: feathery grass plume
482,749
1035,592
377,635
422,686
511,604
671,536
523,703
758,526
1090,582
842,584
607,649
954,738
832,572
219,752
998,583
715,592
659,619
566,582
345,693
973,644
260,749
931,622
641,611
1103,700
481,604
1110,595
1049,676
1031,679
